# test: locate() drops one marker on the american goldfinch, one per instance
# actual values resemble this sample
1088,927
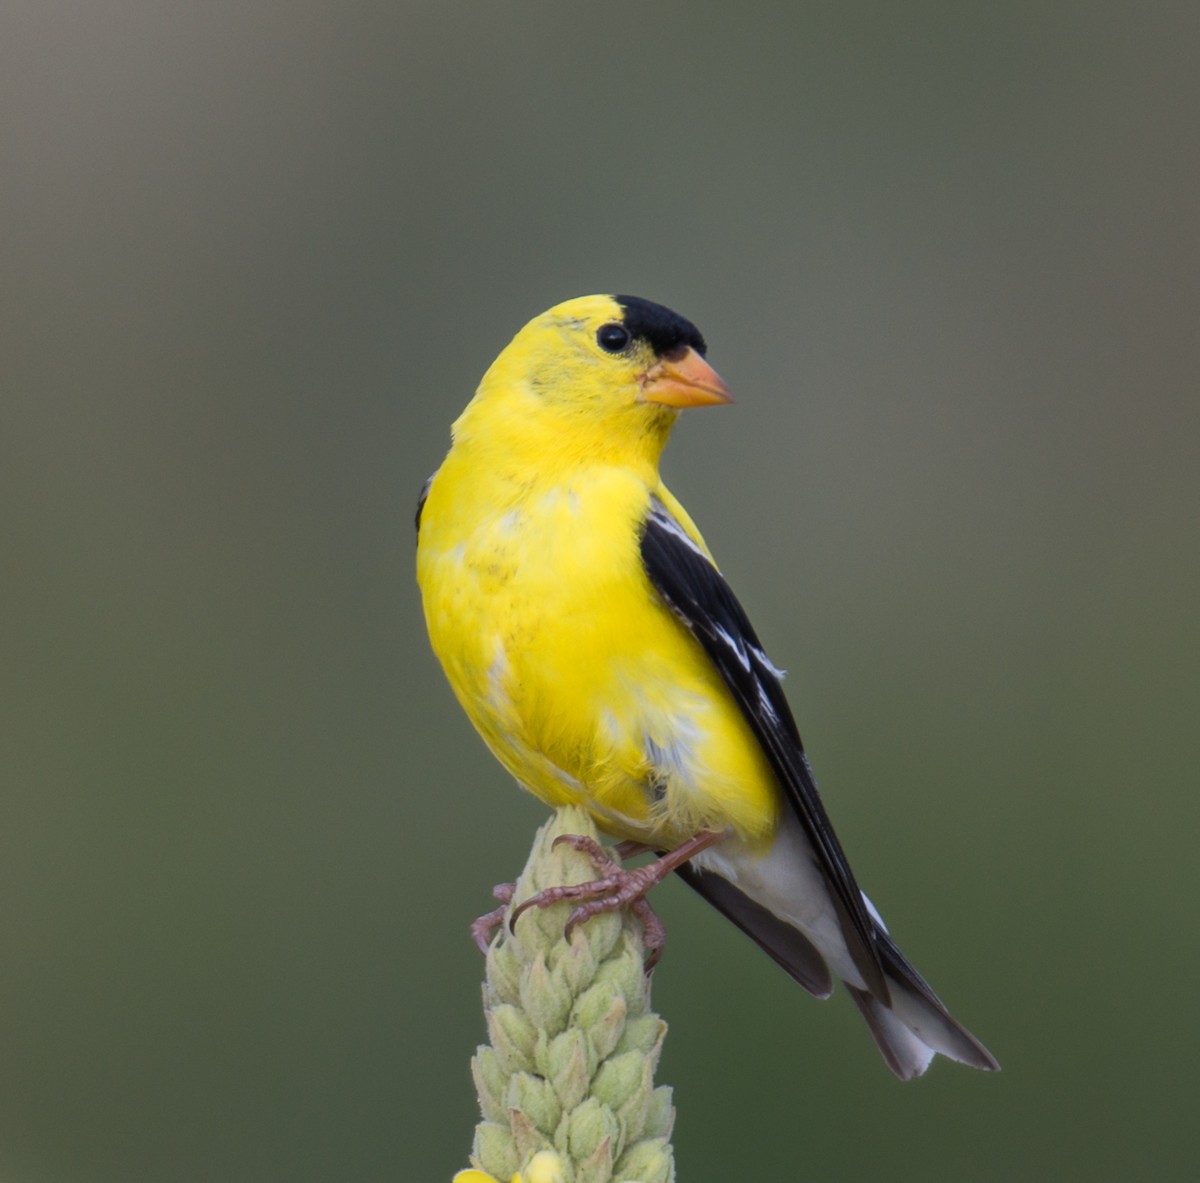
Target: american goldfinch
599,652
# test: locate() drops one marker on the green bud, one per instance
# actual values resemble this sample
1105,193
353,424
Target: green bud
660,1114
644,1034
512,1036
567,1068
534,1097
606,1029
596,1168
626,971
646,1162
495,1150
574,963
603,933
595,1003
546,1001
632,1114
527,1138
591,1128
491,1083
617,1078
503,973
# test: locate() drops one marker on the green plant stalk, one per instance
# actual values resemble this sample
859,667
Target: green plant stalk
573,1042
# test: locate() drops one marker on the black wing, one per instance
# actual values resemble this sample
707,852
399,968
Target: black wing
698,595
421,499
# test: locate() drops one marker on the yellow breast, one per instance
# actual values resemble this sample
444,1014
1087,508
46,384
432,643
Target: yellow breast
578,678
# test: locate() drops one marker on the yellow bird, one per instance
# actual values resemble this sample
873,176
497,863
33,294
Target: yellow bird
599,652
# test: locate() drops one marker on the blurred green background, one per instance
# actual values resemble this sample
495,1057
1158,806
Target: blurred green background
255,258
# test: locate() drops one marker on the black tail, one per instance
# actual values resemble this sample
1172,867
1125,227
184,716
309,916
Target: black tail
909,1028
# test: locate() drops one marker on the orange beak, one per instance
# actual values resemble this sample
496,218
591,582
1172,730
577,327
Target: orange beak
683,379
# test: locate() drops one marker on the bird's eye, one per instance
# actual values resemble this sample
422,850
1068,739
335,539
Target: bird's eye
613,337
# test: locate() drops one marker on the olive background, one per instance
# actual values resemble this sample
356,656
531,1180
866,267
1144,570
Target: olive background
255,258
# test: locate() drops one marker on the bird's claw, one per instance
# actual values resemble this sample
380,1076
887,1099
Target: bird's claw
614,888
483,928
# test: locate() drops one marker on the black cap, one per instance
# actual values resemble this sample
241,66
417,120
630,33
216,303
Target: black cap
661,328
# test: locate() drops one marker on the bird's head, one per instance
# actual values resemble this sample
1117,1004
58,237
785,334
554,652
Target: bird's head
605,374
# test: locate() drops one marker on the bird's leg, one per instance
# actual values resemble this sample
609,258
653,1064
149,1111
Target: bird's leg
617,888
631,849
482,929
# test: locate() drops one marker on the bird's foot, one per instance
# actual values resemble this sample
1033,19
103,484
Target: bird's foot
617,888
482,929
